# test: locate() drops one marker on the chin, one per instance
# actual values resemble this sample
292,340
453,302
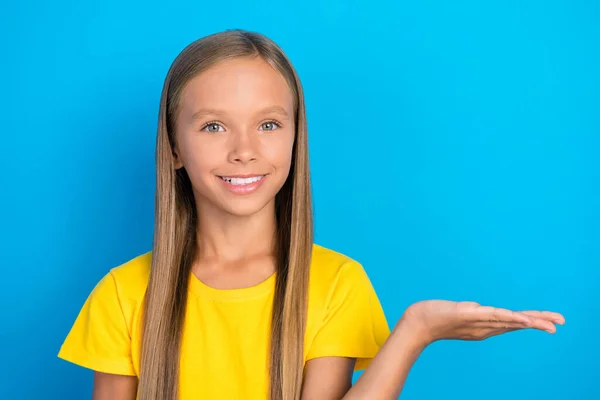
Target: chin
246,207
262,199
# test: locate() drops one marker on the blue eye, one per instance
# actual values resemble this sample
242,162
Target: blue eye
213,127
270,126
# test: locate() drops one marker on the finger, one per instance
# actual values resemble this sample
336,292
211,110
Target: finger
499,331
493,325
542,324
482,334
492,314
536,323
547,315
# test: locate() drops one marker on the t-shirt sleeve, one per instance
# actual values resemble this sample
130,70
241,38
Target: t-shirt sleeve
354,324
100,339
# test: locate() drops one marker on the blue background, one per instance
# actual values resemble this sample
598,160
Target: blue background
454,147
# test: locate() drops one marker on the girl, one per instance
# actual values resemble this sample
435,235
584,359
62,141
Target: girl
235,301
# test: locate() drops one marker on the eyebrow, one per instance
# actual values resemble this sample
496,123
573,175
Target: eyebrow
268,110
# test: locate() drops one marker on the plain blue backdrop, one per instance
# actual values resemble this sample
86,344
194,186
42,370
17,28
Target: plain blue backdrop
454,147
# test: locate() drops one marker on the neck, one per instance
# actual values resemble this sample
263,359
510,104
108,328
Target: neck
225,237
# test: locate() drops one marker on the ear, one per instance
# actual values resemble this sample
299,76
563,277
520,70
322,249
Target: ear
177,159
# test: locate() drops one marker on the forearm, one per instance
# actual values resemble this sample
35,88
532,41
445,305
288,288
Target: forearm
385,377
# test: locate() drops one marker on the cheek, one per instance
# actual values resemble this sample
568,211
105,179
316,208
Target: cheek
200,159
278,151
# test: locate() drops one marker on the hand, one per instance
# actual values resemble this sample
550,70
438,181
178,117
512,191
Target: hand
440,319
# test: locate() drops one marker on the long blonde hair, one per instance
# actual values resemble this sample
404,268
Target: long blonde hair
174,244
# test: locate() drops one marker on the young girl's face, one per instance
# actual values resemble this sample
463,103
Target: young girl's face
235,134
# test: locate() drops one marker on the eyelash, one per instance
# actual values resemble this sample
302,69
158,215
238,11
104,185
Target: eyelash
209,123
271,121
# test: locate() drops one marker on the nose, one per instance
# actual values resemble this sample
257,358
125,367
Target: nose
243,148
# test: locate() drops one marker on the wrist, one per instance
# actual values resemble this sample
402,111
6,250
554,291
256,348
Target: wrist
415,331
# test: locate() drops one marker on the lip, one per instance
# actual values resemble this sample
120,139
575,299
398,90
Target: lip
242,175
243,189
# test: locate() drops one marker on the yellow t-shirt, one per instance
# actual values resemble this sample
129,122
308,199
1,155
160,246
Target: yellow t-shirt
225,343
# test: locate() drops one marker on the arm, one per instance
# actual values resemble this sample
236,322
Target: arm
422,324
330,378
327,378
385,377
114,387
428,321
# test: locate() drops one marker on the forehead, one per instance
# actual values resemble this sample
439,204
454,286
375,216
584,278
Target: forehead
239,86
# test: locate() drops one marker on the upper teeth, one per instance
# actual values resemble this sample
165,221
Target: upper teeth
242,181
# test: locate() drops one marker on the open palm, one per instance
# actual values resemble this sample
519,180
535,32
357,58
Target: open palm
442,319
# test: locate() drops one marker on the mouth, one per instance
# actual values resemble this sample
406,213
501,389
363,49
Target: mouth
240,181
242,185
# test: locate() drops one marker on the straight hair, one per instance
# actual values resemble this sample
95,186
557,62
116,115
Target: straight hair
175,245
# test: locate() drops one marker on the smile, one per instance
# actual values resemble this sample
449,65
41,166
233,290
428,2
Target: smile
242,181
242,185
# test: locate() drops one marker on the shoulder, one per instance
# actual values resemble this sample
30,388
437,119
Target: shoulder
324,255
345,317
131,277
108,325
332,270
329,269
